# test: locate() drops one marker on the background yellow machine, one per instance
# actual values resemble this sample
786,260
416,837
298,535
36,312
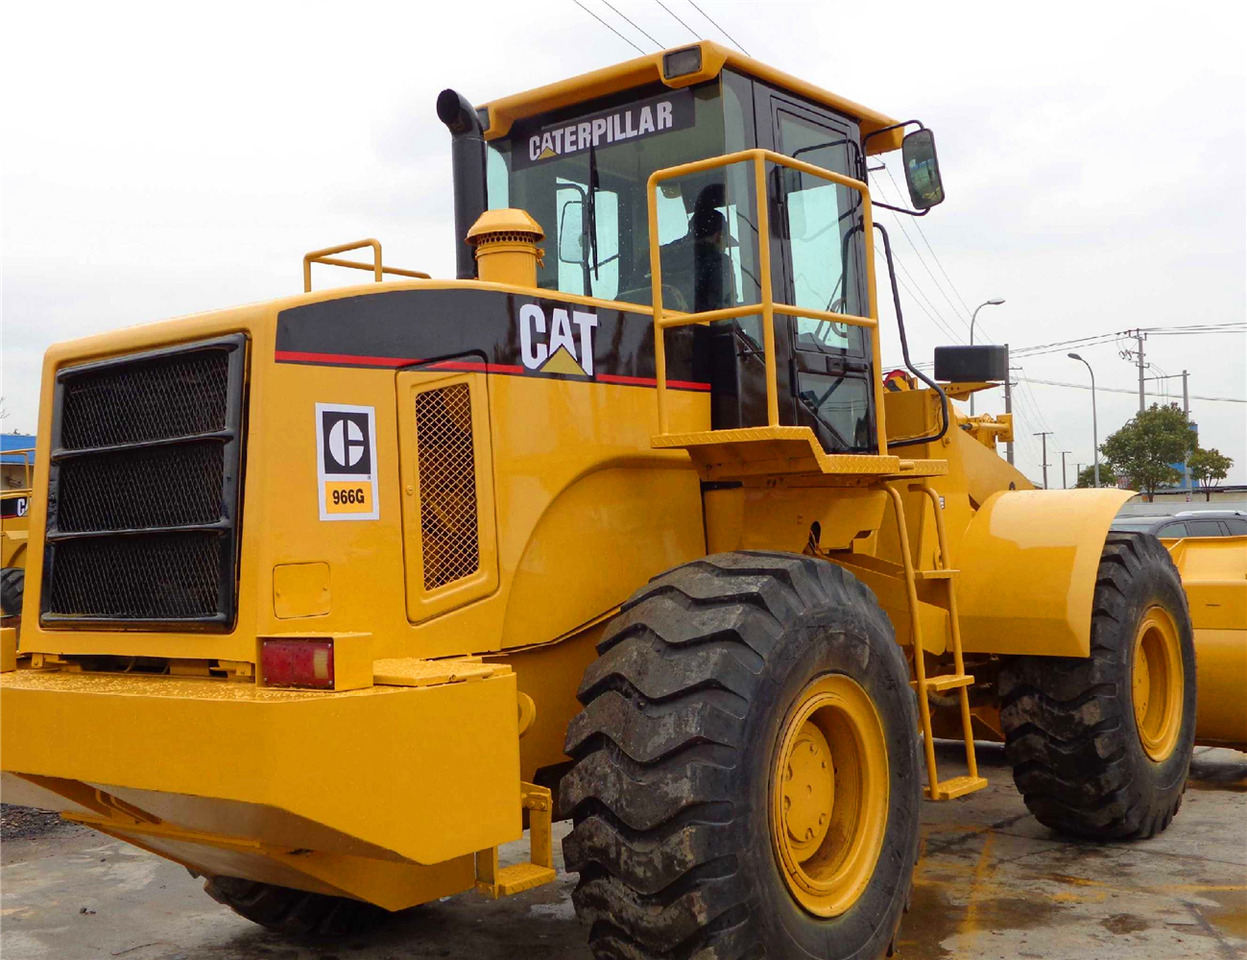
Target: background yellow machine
14,531
331,596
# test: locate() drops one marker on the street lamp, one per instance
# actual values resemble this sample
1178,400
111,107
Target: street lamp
1095,434
974,316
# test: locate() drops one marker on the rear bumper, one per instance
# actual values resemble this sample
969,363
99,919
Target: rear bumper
402,774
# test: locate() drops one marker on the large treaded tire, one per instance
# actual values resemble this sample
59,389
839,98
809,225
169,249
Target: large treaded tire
12,589
295,913
674,751
1069,722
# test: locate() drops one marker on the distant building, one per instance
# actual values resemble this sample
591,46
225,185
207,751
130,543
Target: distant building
14,472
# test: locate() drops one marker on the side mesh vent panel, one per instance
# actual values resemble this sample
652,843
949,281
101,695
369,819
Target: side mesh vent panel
447,463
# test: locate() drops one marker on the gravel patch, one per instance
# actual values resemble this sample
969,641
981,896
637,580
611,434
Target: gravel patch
23,823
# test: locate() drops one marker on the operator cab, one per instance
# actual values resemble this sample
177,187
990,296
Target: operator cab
581,169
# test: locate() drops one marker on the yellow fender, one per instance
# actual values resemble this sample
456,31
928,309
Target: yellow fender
1028,566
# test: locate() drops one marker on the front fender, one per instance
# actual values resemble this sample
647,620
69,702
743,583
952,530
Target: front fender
1028,569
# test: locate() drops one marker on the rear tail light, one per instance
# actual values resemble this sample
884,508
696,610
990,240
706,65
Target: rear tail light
297,663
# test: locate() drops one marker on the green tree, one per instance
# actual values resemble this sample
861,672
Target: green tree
1208,468
1086,476
1145,448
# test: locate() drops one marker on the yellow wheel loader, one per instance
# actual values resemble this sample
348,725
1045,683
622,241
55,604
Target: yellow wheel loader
14,532
332,596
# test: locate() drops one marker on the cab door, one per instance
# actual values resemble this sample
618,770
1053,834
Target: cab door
818,250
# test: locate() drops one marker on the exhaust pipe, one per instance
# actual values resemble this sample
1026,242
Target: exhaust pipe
467,158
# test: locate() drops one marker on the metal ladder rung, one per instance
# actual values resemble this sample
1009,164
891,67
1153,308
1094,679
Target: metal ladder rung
949,681
948,574
955,787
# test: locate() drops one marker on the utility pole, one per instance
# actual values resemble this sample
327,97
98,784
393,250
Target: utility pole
1186,410
1009,408
1077,472
1139,337
1064,485
1186,407
1043,437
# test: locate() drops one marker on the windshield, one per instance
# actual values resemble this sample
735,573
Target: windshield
582,174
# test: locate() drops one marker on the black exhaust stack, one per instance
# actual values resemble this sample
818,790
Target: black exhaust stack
467,158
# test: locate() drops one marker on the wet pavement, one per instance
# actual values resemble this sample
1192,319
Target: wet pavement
992,883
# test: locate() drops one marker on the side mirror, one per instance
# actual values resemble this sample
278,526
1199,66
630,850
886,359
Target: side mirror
572,233
922,169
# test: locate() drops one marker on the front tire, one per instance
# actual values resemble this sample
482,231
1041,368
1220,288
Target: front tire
746,779
1101,745
295,913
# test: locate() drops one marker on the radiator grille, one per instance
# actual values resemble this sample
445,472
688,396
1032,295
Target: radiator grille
113,491
145,577
178,395
143,488
447,464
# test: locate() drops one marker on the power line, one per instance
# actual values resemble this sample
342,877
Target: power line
719,28
1133,392
634,26
608,27
677,19
934,255
921,259
933,316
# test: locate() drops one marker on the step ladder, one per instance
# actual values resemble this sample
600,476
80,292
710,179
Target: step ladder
959,680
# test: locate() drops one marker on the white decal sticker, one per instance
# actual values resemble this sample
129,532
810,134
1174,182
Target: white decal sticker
346,461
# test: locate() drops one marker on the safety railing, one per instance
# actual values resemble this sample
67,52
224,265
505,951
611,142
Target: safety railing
28,457
766,307
378,270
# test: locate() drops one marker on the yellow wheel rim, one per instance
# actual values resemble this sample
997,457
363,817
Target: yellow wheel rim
829,795
1156,683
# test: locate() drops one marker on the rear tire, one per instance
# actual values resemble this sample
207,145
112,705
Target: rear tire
12,589
295,913
1100,749
683,788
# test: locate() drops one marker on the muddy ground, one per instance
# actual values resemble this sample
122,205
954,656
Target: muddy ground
992,883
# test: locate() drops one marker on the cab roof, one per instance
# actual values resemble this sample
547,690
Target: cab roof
649,69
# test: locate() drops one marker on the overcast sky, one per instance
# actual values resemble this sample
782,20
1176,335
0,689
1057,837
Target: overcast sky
164,159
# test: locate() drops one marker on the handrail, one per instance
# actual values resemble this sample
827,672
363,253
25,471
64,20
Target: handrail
766,306
326,257
27,455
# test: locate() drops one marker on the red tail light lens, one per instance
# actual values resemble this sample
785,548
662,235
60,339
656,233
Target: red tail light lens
297,663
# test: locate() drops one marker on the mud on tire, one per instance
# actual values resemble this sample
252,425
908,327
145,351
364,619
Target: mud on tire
674,752
295,913
1070,726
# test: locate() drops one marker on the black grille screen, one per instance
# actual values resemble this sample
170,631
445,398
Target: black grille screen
143,488
114,491
146,577
162,397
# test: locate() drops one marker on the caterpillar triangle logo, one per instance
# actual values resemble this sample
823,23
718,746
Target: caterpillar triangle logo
563,345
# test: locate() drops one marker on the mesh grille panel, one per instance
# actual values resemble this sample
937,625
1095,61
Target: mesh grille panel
144,577
145,448
447,464
154,487
155,398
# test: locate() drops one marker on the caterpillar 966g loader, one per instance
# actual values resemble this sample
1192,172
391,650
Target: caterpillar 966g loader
331,596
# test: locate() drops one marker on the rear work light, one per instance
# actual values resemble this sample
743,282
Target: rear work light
297,663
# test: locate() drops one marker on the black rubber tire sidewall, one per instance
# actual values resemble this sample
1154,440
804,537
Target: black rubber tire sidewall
12,590
837,641
1160,783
